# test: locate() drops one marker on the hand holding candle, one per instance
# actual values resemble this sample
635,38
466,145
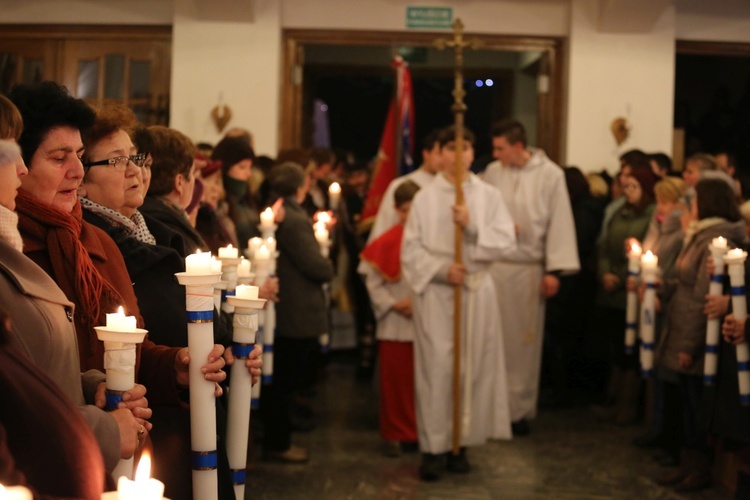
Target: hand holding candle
735,260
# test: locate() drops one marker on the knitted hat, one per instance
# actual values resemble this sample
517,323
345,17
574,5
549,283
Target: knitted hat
209,167
232,150
646,178
287,178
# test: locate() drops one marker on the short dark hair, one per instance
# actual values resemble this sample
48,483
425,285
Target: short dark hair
635,158
431,139
142,140
44,106
286,178
321,156
716,198
731,156
577,183
513,131
11,123
448,134
405,192
173,154
662,160
109,120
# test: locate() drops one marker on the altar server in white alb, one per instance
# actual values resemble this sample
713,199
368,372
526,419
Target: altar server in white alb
427,259
534,189
387,215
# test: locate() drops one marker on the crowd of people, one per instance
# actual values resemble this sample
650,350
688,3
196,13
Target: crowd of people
98,210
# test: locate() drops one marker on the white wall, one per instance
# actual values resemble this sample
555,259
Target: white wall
237,61
611,75
715,20
87,11
530,17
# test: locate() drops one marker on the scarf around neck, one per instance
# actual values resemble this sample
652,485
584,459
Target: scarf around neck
47,228
134,226
9,228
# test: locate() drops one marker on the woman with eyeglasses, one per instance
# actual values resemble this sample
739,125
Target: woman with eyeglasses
630,221
84,262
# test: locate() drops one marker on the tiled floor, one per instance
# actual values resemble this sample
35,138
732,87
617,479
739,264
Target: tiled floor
568,456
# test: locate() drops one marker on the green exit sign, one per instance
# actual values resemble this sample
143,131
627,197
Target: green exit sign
429,17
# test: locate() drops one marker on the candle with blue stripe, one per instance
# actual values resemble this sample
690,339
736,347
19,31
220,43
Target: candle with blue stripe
199,281
631,310
120,337
246,307
649,271
735,260
718,248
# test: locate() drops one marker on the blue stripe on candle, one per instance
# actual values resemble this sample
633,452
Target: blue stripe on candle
651,286
267,379
631,273
255,403
200,316
223,295
238,476
267,348
737,290
709,379
743,366
745,399
713,349
205,460
647,373
647,346
241,351
113,399
231,293
717,278
631,325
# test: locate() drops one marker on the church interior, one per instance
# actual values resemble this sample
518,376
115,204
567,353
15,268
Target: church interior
300,74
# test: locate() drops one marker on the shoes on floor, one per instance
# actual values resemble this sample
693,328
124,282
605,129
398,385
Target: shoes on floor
391,448
520,428
432,467
293,455
458,464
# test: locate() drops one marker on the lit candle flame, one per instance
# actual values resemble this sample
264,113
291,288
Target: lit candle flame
143,472
120,310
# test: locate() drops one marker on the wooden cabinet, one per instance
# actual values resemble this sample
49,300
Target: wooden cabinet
129,65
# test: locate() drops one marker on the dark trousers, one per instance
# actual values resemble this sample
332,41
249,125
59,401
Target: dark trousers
691,387
294,365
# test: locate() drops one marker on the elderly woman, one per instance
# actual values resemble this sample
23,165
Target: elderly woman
45,339
110,195
172,182
81,258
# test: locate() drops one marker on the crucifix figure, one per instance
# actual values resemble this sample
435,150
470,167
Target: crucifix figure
458,44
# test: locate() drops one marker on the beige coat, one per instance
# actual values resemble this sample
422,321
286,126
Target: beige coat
43,329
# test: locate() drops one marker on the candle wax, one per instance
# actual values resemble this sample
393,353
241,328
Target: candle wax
198,263
246,292
243,270
228,252
118,321
262,253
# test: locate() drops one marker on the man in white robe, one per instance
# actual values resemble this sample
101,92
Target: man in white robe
427,258
535,192
387,216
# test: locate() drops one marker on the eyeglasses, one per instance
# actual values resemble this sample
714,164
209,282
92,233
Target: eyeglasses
630,187
120,163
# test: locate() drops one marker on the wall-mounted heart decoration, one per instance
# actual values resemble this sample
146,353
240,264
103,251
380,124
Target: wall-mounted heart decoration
221,115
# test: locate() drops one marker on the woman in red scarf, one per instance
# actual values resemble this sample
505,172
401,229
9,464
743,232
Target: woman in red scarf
84,262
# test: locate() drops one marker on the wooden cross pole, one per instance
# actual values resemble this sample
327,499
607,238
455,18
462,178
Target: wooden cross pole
458,43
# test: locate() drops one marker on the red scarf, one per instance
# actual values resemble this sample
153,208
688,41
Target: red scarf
384,253
46,228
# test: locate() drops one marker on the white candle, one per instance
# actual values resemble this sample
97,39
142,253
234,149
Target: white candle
271,245
118,321
323,217
15,493
246,292
321,233
736,254
334,195
144,487
262,253
649,261
253,244
719,243
228,252
216,265
243,270
198,263
267,219
735,261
